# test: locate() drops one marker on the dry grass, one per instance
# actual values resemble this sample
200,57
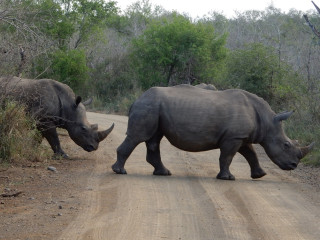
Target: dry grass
19,138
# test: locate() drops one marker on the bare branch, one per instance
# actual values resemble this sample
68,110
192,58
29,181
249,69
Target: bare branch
315,5
315,31
44,71
313,28
18,24
22,62
20,28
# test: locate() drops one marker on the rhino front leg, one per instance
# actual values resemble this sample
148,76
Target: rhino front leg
153,156
123,152
250,155
52,137
227,151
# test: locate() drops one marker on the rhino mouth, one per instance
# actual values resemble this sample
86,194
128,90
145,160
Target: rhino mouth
89,148
290,166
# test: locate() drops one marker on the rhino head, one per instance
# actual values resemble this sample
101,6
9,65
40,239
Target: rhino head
283,151
81,131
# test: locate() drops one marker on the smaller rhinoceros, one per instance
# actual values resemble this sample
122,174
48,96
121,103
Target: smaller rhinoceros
206,86
54,104
195,119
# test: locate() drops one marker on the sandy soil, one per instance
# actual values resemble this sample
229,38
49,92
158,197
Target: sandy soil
84,199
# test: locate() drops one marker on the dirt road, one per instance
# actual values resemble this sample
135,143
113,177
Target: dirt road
190,204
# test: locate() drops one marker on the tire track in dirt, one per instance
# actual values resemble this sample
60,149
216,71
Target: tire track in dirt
190,204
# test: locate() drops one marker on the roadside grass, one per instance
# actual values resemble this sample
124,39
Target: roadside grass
116,105
19,138
306,132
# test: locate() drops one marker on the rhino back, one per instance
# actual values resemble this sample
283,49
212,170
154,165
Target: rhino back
42,97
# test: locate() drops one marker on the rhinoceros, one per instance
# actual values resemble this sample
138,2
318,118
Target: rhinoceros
54,104
195,119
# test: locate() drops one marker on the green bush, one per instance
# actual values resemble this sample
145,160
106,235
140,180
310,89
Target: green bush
257,69
18,135
174,50
70,67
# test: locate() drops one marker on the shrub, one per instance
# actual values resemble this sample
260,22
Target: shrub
69,67
18,135
174,50
257,69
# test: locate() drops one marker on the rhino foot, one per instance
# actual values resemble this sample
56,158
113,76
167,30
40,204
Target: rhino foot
258,173
162,172
225,176
118,170
58,156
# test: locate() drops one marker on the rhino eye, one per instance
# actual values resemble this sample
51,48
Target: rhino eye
287,145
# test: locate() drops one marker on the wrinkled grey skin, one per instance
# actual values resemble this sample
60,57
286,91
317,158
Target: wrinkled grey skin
53,104
195,119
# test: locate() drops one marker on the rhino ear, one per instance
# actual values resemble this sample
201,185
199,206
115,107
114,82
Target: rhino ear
282,116
94,127
78,100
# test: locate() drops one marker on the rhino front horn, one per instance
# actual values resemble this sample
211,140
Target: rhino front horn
103,134
306,150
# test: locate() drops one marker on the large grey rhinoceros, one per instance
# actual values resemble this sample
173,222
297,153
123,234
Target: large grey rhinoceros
195,119
53,104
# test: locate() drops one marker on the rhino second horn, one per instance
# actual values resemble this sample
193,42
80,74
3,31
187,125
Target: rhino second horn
103,134
87,102
306,150
94,127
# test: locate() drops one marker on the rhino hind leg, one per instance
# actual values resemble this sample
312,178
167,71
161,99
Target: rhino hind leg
154,157
123,152
228,149
250,155
226,175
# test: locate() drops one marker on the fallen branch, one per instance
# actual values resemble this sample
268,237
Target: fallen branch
10,194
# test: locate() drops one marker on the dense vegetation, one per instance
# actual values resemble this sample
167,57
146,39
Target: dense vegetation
114,54
19,138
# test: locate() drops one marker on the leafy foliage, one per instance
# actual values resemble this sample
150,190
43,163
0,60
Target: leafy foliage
257,69
254,69
70,67
174,50
66,19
